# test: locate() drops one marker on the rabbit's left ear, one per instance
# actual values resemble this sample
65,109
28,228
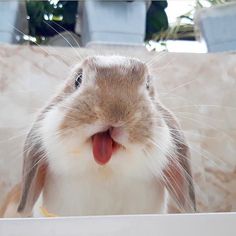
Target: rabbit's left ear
178,181
177,173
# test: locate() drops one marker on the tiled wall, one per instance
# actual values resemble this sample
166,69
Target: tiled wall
199,88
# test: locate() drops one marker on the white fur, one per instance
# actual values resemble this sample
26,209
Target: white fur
77,185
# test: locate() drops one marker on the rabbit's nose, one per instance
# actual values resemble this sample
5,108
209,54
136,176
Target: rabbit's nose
115,131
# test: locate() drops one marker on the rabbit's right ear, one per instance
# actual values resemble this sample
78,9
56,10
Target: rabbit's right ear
34,172
35,158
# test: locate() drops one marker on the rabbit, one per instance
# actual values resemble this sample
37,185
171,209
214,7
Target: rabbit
104,145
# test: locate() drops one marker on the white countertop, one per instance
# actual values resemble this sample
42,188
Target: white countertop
219,224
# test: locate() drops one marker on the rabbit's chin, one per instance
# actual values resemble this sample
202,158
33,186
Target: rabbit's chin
72,154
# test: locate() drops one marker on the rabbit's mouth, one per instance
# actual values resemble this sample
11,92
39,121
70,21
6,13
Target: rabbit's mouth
103,146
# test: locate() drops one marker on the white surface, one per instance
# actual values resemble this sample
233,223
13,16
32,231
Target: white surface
178,8
178,46
220,224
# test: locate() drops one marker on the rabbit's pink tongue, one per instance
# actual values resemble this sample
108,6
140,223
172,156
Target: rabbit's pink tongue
102,147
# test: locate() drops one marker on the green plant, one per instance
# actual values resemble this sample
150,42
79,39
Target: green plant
157,19
46,18
185,31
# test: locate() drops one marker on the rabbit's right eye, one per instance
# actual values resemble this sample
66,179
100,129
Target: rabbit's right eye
78,80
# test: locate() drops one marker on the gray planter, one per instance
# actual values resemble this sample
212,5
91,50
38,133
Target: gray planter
217,26
113,22
12,20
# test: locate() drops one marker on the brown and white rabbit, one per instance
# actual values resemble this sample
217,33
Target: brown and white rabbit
105,145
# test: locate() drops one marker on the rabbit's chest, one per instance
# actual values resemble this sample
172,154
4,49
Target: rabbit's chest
102,193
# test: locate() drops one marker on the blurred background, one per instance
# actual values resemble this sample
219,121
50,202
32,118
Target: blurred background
197,26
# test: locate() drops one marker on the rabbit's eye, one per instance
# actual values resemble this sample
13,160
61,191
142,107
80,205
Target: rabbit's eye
78,80
148,84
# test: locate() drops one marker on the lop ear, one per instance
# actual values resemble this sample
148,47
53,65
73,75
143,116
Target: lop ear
35,164
34,171
178,181
177,174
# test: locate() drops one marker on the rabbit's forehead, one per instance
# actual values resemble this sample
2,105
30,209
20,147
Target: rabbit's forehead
114,63
113,69
111,61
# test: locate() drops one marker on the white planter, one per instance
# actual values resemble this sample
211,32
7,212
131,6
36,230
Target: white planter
113,22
